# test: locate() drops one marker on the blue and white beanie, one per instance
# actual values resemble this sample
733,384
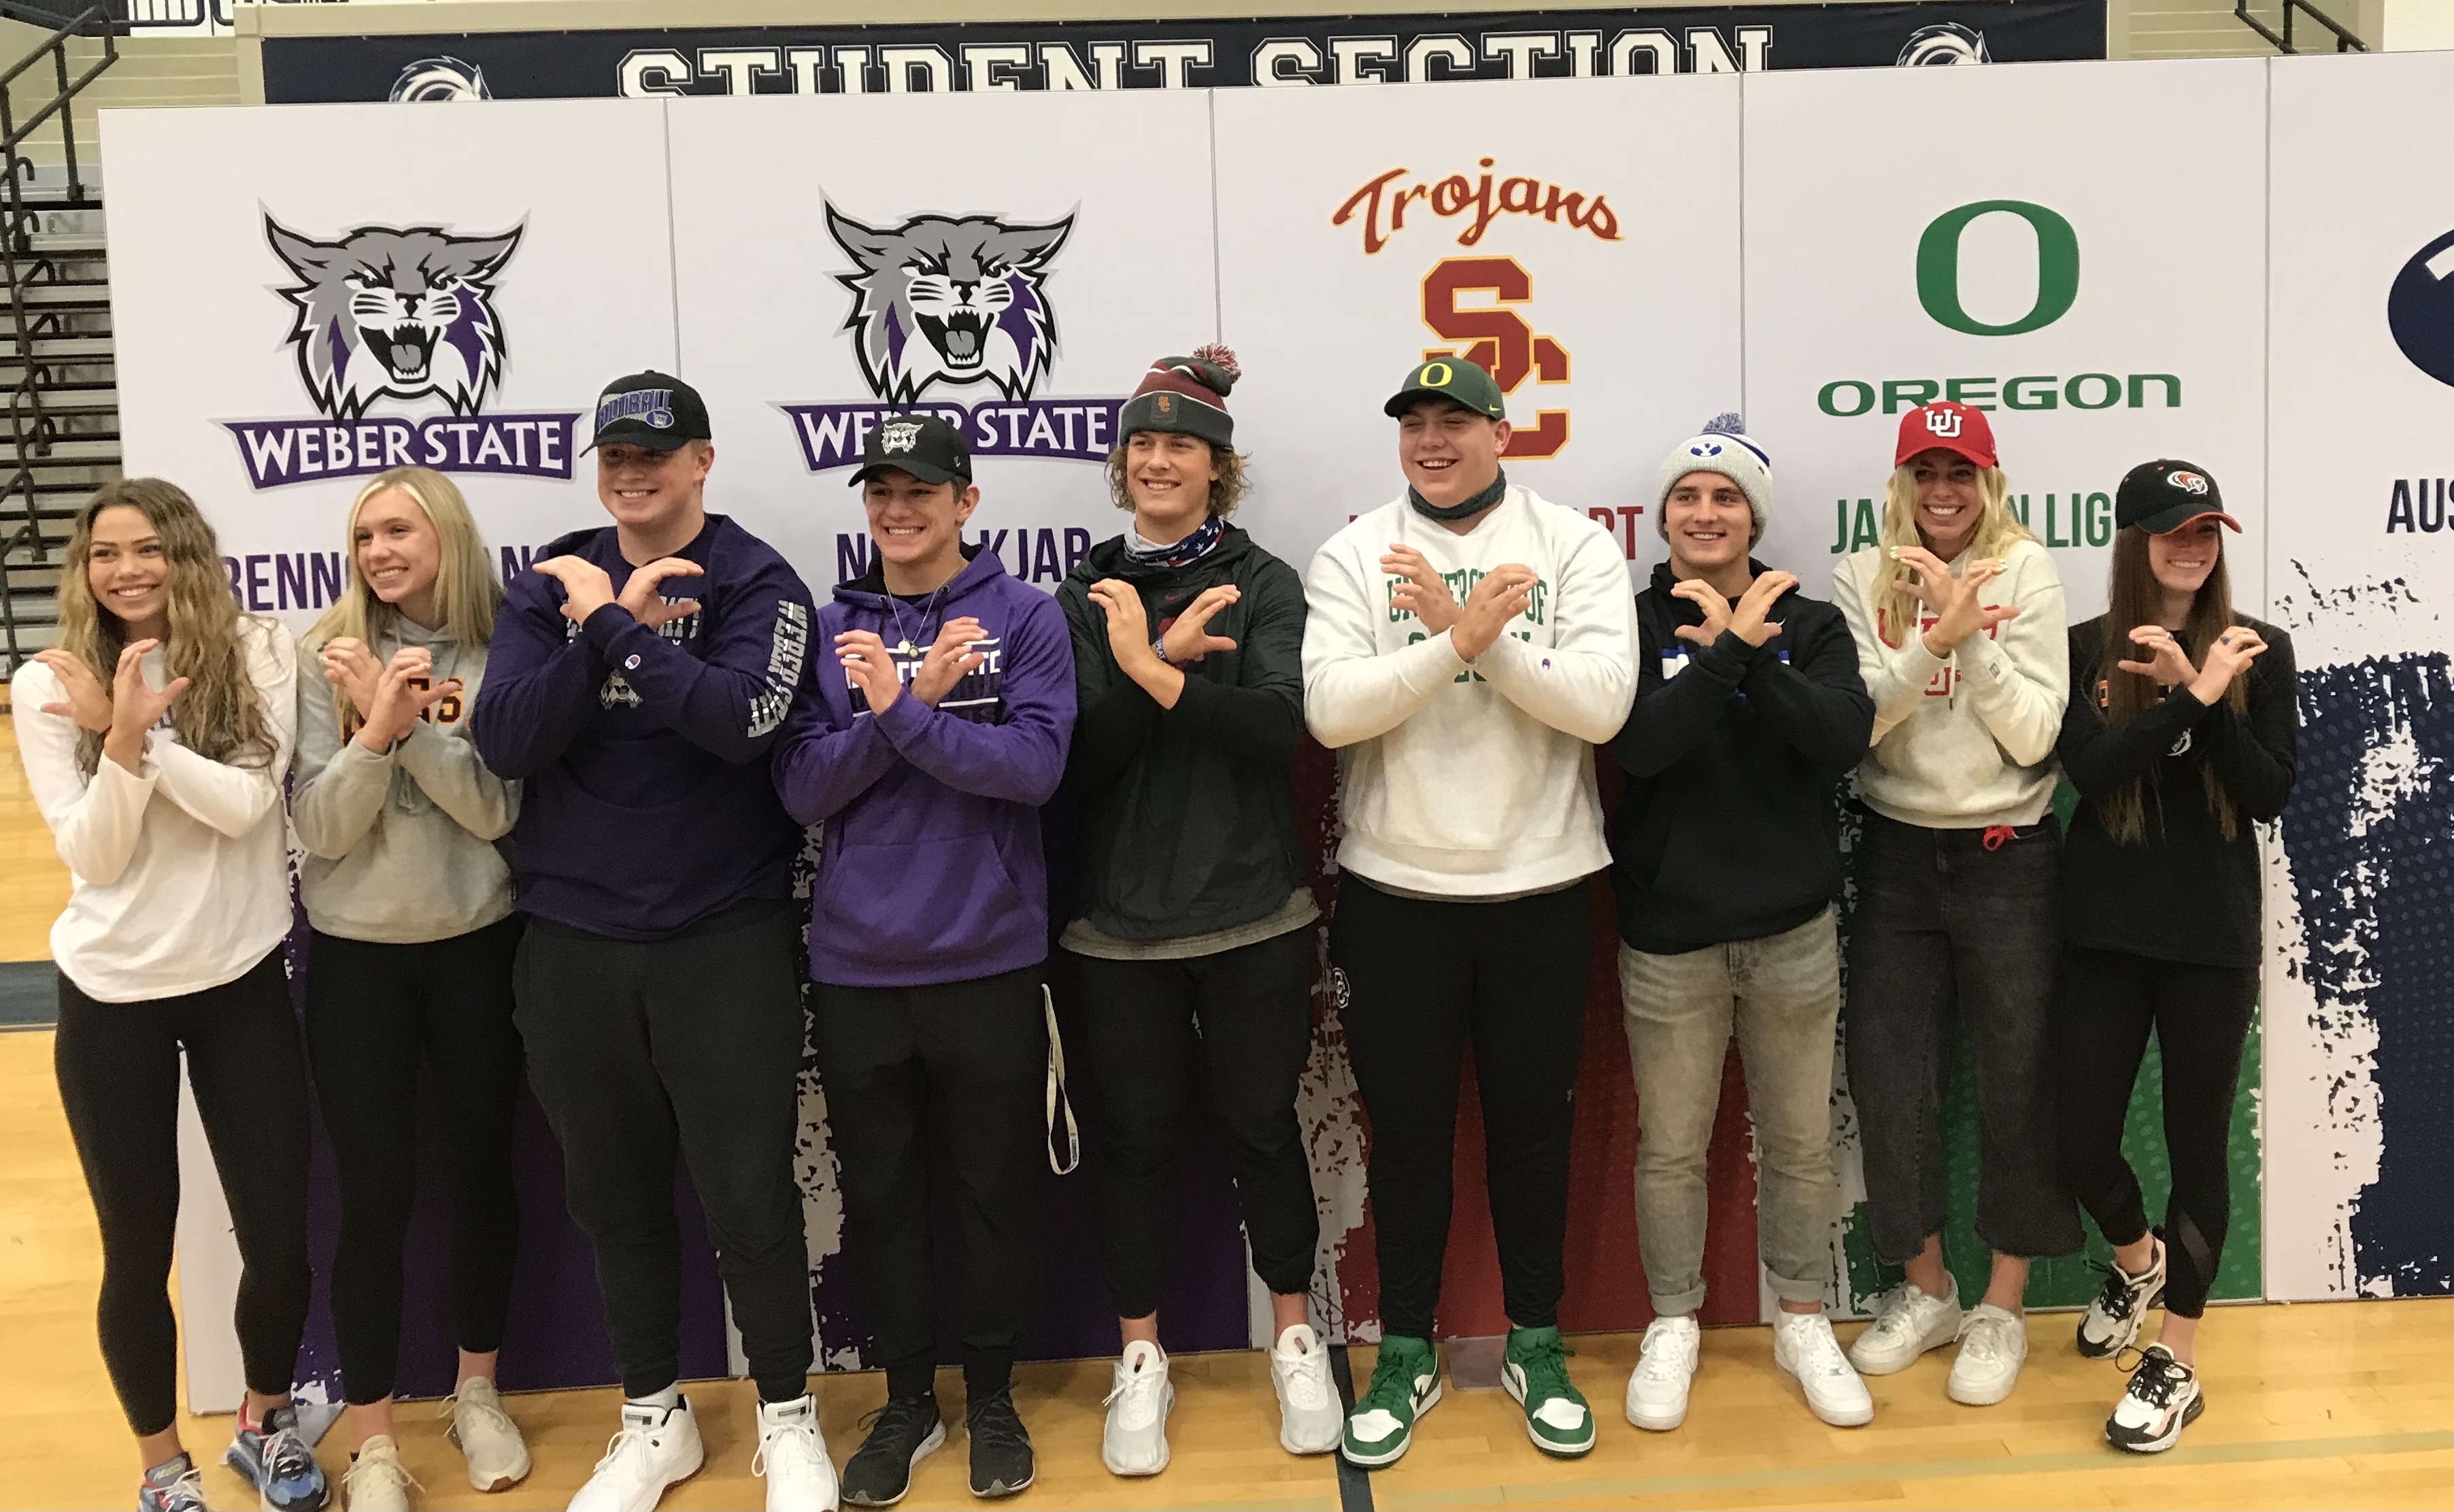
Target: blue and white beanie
1722,447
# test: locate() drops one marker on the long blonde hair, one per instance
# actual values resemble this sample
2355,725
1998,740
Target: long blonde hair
2137,598
466,592
1998,531
220,716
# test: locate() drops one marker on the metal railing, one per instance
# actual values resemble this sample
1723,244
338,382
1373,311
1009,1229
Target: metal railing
2281,41
25,266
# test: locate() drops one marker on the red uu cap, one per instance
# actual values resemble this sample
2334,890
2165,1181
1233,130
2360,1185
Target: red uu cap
1951,427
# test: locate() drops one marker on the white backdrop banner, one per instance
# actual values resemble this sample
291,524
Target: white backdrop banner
1898,250
2360,1070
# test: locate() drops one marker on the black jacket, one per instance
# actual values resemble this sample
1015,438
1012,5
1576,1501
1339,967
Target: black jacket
2187,894
1186,821
1729,829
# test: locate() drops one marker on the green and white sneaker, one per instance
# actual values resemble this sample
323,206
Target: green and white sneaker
1556,1417
1405,1384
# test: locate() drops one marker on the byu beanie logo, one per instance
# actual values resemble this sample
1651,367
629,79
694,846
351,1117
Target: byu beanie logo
1944,423
2188,482
1704,449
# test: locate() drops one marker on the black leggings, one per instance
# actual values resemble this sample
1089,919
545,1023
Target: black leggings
373,1012
1424,978
118,1065
1241,1021
2106,1003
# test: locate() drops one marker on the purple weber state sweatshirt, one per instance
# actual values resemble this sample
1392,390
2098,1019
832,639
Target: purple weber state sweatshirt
647,804
932,870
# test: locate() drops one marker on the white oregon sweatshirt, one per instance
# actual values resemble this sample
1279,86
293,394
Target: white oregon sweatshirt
1471,780
179,872
1965,742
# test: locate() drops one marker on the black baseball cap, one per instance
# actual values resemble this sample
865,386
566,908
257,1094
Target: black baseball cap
922,445
2166,494
1462,383
652,409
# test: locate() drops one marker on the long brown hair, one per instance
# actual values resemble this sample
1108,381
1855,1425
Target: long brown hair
1225,493
2137,598
220,716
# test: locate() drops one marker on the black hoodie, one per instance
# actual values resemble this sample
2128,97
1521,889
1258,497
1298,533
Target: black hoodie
1187,823
1729,828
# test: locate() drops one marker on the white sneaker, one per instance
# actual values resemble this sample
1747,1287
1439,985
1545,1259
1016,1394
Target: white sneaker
1802,1345
377,1480
488,1440
1309,1419
2111,1322
2163,1399
657,1447
1134,1440
791,1455
1656,1389
1993,1343
1907,1324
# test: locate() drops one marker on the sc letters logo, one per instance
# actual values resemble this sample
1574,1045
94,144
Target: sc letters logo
2420,308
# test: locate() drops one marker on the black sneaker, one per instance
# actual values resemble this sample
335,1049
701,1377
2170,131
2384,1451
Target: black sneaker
901,1434
2111,1322
2163,1399
1001,1446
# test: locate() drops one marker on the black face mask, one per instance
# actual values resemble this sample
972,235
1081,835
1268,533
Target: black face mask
1463,509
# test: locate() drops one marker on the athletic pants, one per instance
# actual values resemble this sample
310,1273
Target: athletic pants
1423,980
2108,1003
118,1066
1242,1021
689,1045
1953,928
968,1061
373,1012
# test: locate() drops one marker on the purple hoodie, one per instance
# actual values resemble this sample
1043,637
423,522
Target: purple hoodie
932,870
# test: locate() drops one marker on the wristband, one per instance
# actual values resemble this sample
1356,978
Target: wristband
1158,649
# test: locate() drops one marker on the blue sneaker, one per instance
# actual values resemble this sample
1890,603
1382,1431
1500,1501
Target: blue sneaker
174,1486
286,1475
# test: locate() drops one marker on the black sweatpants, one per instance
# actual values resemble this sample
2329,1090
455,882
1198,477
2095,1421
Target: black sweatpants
375,1012
971,1060
1422,979
1241,1021
118,1066
641,1050
2107,1003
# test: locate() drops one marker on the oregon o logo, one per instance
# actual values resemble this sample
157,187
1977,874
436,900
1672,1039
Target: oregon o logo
1437,376
2420,308
1938,268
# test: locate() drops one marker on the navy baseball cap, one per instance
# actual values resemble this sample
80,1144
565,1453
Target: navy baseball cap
652,409
922,445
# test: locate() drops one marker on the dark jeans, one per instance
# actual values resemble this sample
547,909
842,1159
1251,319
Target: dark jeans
118,1065
2107,1003
969,1058
1951,933
1422,979
691,1045
379,1016
1242,1021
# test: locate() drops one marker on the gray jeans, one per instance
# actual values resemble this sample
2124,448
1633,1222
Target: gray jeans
1782,996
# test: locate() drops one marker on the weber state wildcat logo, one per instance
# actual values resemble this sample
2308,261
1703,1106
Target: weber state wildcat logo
946,304
389,325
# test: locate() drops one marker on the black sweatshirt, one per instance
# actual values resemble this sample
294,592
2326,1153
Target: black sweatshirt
1187,823
2187,894
1729,829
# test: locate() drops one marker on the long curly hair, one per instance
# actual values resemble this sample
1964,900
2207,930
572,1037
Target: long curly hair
2136,598
1998,531
220,715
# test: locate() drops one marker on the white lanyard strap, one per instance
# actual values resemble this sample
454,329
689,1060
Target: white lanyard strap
1072,1159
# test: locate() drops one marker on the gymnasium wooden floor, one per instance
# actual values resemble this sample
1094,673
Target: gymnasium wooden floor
2348,1405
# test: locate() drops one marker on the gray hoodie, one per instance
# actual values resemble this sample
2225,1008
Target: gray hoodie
400,847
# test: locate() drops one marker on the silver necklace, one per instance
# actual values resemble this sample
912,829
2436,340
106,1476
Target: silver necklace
894,606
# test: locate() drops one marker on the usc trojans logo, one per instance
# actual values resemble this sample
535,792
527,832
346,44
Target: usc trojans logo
1474,303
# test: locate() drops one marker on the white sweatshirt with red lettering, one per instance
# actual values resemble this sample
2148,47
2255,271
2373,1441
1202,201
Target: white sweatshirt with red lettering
1963,741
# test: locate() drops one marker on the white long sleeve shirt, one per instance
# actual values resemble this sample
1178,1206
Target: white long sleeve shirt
1963,741
180,869
1471,780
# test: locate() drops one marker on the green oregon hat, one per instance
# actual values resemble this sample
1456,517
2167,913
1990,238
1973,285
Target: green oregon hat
1452,378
